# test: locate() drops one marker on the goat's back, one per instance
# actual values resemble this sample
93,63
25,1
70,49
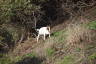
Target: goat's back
44,30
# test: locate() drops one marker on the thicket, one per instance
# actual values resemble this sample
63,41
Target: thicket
17,19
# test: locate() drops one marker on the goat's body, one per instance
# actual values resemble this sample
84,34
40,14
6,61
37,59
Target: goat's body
43,31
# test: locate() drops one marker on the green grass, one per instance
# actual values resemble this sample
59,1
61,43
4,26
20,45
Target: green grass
92,25
30,55
58,33
67,60
50,52
93,56
60,36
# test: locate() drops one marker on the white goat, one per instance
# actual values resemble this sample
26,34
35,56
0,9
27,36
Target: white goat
43,31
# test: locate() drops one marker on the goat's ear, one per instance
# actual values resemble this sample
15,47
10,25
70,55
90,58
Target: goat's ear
37,29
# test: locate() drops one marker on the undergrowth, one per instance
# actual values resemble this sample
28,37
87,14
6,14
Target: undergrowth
6,59
74,39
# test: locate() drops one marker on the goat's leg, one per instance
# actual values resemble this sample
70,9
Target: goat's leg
44,36
38,37
49,35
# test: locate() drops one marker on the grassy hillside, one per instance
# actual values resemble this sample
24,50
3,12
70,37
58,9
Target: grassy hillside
75,44
73,31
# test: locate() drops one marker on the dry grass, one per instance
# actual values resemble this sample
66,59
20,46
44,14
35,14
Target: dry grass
77,34
59,45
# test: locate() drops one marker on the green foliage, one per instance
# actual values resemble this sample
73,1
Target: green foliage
17,8
50,51
92,25
92,56
15,16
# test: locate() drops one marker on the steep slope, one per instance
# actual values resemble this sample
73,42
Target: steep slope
73,45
